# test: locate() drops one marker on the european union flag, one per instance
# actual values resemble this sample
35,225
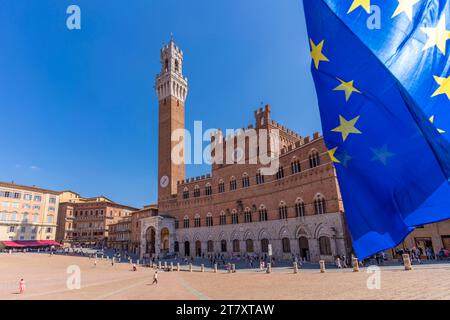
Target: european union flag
381,91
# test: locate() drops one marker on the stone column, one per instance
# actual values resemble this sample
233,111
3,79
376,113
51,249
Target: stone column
295,267
269,268
202,268
233,268
190,267
178,266
215,267
322,266
355,264
407,262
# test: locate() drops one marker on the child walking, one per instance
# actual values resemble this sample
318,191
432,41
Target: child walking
21,286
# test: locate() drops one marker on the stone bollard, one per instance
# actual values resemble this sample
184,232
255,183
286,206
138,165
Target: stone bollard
159,265
355,264
322,266
137,262
10,251
229,267
407,262
215,267
178,266
233,268
269,268
202,268
171,266
130,261
190,267
165,265
295,267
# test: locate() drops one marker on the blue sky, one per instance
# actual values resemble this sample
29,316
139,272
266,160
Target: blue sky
78,107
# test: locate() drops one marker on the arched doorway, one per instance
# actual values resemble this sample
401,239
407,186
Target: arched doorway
187,248
198,248
150,241
304,248
165,246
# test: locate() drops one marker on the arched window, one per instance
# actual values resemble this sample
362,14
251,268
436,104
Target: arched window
283,210
197,221
286,245
249,245
210,246
221,186
280,173
236,247
223,246
177,66
177,224
320,205
209,220
176,246
186,193
264,245
259,178
262,213
25,217
196,191
314,159
208,189
247,215
166,64
186,222
325,246
234,217
223,218
299,208
295,166
233,185
245,181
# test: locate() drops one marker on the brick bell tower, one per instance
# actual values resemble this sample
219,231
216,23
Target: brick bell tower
171,88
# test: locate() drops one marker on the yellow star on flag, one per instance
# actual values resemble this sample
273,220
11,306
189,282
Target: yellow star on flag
347,87
347,127
331,152
437,36
432,121
405,6
360,3
444,87
316,53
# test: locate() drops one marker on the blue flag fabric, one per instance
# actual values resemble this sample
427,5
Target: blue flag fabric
392,163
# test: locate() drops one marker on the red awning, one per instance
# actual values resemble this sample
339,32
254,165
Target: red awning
12,244
30,244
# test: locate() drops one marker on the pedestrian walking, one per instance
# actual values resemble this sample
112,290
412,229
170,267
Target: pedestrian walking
21,286
155,277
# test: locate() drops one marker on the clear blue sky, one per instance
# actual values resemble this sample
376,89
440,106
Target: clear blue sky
79,110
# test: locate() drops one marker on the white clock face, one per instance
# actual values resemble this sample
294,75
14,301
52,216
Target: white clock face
164,182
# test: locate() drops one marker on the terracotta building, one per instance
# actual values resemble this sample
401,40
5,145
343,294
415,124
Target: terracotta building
86,221
237,210
27,213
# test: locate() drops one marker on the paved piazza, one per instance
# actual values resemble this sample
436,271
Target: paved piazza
46,278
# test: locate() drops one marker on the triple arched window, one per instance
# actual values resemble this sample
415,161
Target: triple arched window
314,159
